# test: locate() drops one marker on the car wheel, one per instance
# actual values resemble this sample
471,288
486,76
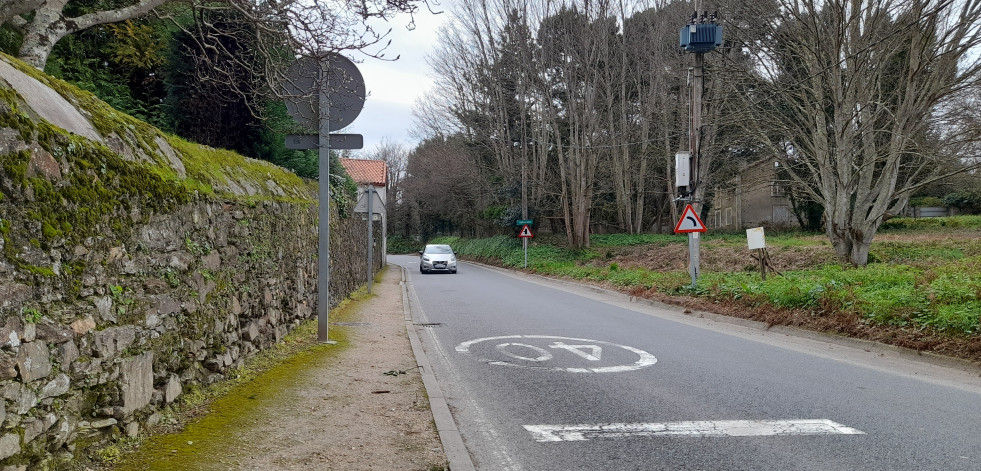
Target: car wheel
453,272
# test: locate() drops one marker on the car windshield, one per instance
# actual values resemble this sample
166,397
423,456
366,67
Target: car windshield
438,249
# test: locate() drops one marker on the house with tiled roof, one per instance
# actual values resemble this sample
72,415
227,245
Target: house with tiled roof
366,172
371,175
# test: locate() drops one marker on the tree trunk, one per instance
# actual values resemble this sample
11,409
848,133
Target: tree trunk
49,25
42,33
867,105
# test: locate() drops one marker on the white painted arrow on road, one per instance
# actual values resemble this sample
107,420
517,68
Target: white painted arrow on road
595,351
697,429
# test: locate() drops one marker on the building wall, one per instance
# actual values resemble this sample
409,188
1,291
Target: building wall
754,198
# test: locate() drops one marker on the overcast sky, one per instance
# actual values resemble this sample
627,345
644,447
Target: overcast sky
394,86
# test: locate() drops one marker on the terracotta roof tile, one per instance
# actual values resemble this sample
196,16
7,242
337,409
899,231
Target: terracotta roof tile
365,171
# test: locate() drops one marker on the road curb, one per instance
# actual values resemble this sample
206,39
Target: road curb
453,446
867,345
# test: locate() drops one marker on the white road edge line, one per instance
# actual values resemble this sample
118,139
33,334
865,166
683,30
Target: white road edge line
696,429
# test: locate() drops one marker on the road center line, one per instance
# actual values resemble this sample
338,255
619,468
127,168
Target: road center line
696,429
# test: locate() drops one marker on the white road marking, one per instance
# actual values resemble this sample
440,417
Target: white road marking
543,354
697,429
595,351
580,349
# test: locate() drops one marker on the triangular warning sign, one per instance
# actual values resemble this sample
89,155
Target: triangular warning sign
689,222
525,231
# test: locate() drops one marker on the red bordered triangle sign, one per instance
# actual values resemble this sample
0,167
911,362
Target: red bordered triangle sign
525,231
689,222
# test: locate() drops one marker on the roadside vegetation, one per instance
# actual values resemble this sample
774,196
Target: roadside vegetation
921,289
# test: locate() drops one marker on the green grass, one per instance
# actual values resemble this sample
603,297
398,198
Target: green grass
620,240
965,222
925,285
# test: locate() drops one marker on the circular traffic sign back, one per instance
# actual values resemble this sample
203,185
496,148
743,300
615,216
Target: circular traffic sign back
343,88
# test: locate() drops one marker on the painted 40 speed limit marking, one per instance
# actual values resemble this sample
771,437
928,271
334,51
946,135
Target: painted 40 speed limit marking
540,351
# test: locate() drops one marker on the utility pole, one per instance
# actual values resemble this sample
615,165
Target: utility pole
699,36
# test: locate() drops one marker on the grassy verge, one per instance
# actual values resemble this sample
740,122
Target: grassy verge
924,275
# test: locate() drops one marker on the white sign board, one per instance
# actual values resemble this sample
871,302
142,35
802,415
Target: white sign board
755,239
377,206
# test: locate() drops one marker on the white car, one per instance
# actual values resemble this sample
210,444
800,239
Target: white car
437,257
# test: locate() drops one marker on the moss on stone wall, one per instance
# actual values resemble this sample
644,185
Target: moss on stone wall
198,255
102,193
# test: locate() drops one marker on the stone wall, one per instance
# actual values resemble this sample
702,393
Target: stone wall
135,266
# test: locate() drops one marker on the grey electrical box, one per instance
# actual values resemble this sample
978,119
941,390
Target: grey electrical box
682,169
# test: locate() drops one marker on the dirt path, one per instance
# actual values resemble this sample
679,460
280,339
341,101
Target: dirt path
366,409
359,405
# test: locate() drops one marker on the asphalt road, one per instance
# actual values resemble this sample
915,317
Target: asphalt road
552,376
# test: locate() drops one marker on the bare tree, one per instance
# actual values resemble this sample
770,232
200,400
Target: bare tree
583,102
298,26
653,85
487,77
575,48
396,158
441,189
855,97
432,116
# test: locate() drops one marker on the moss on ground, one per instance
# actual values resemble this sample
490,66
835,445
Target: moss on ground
207,418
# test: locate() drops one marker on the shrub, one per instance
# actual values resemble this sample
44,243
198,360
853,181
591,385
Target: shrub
967,222
925,201
968,201
618,240
402,244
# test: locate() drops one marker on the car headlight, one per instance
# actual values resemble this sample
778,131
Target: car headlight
452,259
425,258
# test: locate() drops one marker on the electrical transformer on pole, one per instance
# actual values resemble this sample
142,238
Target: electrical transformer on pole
699,36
